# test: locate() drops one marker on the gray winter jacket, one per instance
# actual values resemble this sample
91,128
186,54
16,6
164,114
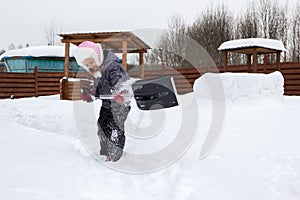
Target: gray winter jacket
112,75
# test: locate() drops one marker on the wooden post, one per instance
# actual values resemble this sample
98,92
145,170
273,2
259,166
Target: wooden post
278,61
254,60
67,54
141,63
225,61
249,62
124,55
36,81
266,58
64,82
163,68
208,69
64,89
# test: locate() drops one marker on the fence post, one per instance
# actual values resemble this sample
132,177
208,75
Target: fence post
225,61
163,68
141,64
36,81
249,63
278,61
266,58
64,89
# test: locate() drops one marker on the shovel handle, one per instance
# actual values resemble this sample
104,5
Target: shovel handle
111,97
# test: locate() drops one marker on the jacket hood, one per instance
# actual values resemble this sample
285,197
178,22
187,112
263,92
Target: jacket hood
86,50
109,57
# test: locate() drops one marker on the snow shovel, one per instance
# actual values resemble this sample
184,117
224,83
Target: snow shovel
153,94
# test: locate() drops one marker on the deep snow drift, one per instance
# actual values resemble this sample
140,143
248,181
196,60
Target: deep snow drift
235,87
46,154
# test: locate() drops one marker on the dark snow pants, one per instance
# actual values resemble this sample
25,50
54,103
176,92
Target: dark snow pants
111,130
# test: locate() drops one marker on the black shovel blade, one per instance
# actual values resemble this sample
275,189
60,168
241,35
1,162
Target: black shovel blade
156,93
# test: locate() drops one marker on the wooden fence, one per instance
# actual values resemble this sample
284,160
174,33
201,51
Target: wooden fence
48,83
185,78
35,84
290,72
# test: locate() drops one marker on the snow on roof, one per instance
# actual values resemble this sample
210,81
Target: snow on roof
252,42
38,51
93,31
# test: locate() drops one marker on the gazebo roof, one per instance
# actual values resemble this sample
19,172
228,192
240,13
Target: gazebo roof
246,46
110,40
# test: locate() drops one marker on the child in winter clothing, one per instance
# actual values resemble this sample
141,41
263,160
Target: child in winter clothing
108,78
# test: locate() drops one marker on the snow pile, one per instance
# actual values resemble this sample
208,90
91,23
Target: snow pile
239,86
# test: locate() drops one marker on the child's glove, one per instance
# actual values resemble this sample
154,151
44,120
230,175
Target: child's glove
92,92
119,98
85,95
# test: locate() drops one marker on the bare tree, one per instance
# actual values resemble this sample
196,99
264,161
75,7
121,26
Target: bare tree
248,24
51,33
213,27
295,35
274,21
12,46
172,44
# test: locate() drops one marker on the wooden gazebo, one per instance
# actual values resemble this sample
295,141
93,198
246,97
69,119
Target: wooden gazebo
252,47
118,42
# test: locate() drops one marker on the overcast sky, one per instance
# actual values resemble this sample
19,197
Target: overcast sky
25,21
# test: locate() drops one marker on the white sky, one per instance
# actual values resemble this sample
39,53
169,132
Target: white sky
25,21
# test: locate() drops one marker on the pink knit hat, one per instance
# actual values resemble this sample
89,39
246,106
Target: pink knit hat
89,49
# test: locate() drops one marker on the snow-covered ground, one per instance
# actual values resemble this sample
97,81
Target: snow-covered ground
48,147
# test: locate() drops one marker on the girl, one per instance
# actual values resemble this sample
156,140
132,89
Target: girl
109,76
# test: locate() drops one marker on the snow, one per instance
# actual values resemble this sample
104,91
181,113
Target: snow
74,79
241,86
93,31
48,146
38,51
252,42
